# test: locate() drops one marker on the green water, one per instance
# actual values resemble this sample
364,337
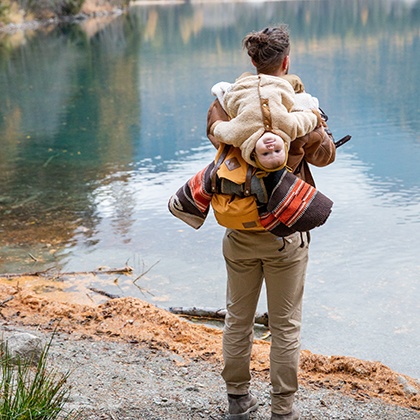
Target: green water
101,122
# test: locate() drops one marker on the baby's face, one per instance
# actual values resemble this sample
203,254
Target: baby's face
270,151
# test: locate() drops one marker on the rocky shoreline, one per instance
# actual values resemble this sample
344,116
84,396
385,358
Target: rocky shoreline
106,9
33,25
134,381
131,360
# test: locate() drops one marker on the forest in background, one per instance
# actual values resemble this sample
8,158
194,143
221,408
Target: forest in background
17,12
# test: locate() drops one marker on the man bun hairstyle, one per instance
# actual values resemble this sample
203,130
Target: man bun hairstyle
268,47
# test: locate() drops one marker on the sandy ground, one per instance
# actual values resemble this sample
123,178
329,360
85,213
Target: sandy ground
160,350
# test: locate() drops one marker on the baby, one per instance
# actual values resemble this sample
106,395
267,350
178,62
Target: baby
270,152
251,127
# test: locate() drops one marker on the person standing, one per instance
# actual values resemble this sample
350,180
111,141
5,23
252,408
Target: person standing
254,256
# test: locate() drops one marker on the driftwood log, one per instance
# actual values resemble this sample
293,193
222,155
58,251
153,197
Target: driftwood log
49,272
213,313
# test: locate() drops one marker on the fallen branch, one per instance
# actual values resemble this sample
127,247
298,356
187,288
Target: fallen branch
104,293
32,274
124,270
144,273
2,303
48,273
142,290
212,313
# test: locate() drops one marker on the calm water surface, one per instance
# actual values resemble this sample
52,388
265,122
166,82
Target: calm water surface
101,122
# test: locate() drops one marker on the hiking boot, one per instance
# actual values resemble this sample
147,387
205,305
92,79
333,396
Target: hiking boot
240,406
293,415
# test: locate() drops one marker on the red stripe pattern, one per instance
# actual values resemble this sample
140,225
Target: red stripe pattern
292,207
197,184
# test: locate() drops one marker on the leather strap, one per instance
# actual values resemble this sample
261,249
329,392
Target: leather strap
247,185
213,173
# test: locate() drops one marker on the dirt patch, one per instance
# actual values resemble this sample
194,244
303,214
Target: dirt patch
132,320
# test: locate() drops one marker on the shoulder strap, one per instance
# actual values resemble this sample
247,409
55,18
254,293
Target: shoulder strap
247,185
213,173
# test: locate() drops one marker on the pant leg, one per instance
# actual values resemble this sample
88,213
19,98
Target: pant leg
244,281
285,278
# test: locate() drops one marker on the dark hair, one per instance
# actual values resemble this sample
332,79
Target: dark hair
267,48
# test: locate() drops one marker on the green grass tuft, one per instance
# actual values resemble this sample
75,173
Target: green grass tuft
29,392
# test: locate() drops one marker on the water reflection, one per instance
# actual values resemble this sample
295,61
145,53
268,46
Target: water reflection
101,122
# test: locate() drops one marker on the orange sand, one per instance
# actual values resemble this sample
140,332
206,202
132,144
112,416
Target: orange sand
133,320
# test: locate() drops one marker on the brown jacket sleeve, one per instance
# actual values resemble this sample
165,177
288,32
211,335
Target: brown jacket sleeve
316,148
215,114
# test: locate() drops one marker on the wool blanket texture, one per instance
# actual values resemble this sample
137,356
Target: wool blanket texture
292,205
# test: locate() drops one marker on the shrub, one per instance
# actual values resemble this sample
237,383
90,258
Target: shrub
69,7
4,11
42,9
29,392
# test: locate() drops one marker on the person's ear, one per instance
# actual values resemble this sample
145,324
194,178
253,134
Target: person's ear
286,63
253,63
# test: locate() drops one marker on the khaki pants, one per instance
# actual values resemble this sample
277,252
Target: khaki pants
250,258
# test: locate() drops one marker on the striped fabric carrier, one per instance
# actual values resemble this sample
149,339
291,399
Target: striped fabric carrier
279,202
191,203
294,205
197,186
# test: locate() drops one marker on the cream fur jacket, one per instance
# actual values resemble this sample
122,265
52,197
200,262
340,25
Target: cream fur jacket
256,104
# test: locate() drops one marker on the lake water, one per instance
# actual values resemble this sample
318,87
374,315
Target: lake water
101,122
